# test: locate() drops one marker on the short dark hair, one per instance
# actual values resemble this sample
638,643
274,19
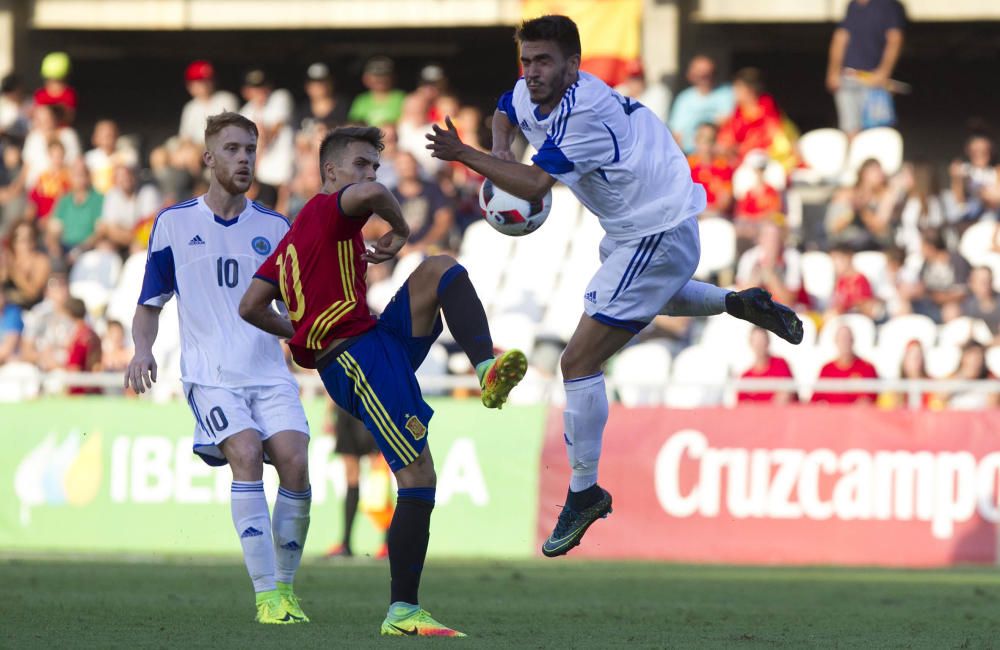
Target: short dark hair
218,122
752,78
556,28
337,140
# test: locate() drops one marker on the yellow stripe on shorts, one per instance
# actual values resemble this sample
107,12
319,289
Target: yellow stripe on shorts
379,416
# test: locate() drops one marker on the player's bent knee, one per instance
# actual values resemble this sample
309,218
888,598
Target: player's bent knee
577,362
244,453
419,473
432,268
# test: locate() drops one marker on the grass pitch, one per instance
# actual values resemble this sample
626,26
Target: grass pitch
536,604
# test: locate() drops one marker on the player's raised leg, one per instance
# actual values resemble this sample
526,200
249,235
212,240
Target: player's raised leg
440,282
754,305
289,452
252,520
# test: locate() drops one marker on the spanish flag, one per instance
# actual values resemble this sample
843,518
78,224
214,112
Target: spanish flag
609,32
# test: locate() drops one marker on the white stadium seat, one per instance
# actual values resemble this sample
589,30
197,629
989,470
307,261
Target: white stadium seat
727,334
993,360
784,349
699,374
824,152
818,277
964,329
977,242
942,361
884,144
19,381
861,326
744,178
434,366
718,246
872,265
640,372
900,330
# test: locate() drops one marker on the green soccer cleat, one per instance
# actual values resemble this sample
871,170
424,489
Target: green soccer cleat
419,623
291,603
271,609
506,372
572,525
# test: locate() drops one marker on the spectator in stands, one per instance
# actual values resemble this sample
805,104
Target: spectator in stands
306,182
322,104
432,84
271,110
702,102
425,208
13,198
912,366
712,170
11,326
941,280
972,367
125,205
115,352
975,182
55,90
176,168
460,183
48,327
100,160
24,268
52,183
983,302
863,53
760,202
766,365
75,216
756,123
918,207
15,109
852,292
654,96
412,131
45,128
846,365
772,265
83,354
199,77
381,103
860,217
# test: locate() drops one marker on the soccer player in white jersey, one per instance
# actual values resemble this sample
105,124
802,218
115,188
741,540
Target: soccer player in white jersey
622,163
243,397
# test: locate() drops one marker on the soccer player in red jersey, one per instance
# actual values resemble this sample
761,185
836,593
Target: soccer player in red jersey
368,365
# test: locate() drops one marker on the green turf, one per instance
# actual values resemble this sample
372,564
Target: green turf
538,604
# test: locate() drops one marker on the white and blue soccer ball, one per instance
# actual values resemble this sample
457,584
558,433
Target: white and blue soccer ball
511,214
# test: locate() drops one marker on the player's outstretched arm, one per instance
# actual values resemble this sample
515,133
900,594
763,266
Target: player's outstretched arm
141,371
503,136
255,308
530,182
366,198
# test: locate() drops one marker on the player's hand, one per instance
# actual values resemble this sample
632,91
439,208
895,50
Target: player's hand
445,143
503,154
385,248
141,372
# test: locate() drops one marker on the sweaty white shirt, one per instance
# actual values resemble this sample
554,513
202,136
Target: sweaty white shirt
616,156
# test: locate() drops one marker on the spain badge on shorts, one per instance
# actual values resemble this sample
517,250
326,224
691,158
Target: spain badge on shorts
416,427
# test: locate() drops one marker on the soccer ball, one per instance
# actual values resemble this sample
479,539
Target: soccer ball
511,214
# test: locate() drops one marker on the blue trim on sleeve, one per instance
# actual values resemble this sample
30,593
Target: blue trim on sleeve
160,278
506,104
551,158
259,208
570,103
156,222
613,140
634,326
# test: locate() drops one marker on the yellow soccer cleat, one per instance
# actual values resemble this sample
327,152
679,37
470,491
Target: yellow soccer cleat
291,603
271,609
419,623
506,372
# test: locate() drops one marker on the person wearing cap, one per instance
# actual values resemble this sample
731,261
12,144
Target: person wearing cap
271,110
55,90
322,105
205,101
654,96
432,85
381,104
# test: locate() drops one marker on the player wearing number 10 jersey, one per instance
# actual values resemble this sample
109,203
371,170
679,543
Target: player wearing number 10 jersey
244,400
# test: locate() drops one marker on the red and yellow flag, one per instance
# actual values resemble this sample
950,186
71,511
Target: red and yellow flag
609,32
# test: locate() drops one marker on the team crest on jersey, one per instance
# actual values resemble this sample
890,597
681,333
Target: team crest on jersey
261,246
416,427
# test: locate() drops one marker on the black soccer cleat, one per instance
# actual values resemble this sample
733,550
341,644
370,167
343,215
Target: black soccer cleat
756,306
572,525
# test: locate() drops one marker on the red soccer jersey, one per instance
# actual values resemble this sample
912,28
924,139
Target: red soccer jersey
860,369
850,292
777,368
319,269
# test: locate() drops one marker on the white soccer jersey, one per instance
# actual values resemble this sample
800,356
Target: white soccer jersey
615,155
209,263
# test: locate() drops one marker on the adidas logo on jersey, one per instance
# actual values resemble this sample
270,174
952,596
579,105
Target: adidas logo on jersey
251,531
524,125
590,296
196,241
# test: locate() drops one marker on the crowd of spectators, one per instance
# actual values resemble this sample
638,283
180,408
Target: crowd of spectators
74,220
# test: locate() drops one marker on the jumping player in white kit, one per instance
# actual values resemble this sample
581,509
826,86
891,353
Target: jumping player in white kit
243,397
622,163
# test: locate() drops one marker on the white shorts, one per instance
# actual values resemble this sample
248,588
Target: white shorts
638,277
222,412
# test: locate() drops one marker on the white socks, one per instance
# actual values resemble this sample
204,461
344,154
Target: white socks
291,523
697,299
584,418
253,526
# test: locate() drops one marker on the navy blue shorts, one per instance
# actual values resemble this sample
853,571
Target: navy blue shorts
374,380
